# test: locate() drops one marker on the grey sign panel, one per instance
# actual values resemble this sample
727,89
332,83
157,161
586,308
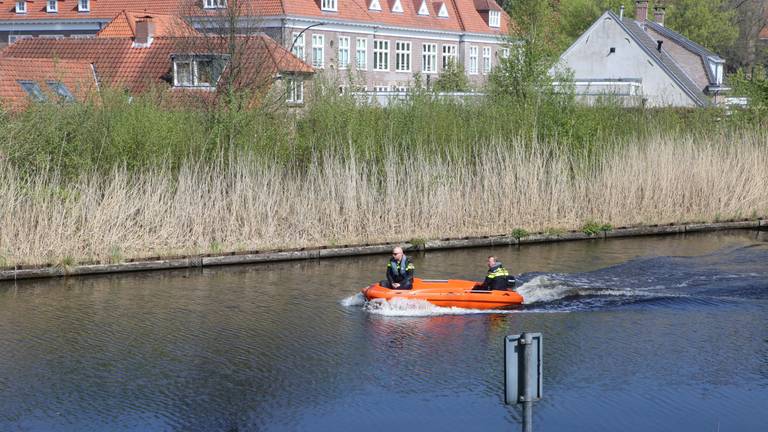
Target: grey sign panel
522,368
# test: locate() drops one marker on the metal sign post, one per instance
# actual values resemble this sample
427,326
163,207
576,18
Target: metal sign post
523,373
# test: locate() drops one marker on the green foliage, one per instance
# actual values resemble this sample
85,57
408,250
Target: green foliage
577,15
452,79
592,227
519,233
754,86
534,44
710,23
418,243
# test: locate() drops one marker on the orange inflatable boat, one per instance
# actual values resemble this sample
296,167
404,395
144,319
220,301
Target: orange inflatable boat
448,293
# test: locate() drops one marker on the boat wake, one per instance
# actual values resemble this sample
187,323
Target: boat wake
722,277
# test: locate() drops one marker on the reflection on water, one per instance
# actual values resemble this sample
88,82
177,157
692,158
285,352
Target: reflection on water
657,333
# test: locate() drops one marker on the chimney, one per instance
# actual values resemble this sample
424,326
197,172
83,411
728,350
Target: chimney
659,43
658,15
145,31
641,10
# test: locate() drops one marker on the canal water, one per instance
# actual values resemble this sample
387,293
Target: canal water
645,334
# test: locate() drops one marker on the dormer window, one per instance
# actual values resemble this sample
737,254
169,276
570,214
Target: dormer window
494,19
214,4
397,7
83,5
375,5
443,12
329,5
197,71
33,90
423,9
52,6
21,7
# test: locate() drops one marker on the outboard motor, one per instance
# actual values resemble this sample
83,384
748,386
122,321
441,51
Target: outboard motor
511,282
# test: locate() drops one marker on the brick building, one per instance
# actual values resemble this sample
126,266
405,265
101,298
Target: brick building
378,44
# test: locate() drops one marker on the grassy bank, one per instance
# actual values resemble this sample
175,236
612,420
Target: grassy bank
340,197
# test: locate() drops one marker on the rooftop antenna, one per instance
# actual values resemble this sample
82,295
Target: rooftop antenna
621,12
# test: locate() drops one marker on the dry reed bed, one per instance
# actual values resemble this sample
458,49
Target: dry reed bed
344,200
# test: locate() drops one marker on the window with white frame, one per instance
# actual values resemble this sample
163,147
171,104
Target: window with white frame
298,45
83,5
449,55
214,4
473,60
294,87
343,52
505,53
402,56
329,5
197,71
486,59
21,6
318,50
429,58
494,19
361,53
52,6
423,9
375,5
381,89
380,55
397,7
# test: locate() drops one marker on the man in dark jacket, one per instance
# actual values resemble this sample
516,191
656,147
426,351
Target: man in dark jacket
496,279
399,271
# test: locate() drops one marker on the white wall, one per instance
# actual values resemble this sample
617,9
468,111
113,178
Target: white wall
590,58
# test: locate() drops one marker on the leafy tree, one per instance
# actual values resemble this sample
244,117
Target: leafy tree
577,15
709,23
452,79
534,44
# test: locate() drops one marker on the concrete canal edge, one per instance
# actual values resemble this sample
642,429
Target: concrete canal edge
319,253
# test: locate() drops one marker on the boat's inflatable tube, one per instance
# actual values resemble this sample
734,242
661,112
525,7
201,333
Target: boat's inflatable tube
448,293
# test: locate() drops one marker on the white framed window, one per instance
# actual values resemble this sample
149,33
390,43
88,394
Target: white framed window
51,36
449,55
294,87
397,7
190,71
423,9
329,5
505,53
52,6
83,5
443,12
14,38
214,4
486,59
473,60
21,6
381,89
494,19
361,53
402,56
343,52
318,50
298,45
380,55
82,36
375,5
429,58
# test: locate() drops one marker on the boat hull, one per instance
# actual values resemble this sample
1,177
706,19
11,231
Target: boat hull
448,293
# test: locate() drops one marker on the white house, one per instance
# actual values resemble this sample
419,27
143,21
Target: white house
641,62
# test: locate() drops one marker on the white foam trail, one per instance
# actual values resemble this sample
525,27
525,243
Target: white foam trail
353,300
542,289
415,308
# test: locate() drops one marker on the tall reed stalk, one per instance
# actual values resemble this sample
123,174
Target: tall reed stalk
339,197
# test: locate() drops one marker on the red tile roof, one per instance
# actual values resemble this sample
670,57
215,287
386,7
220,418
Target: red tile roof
124,25
764,33
118,63
463,15
100,9
76,76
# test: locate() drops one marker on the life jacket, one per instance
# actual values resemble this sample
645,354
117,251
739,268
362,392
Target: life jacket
400,271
